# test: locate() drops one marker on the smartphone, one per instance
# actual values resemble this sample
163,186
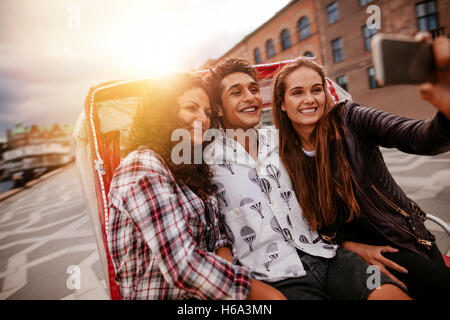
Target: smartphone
400,59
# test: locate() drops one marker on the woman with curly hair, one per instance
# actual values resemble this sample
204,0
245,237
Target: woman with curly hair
163,213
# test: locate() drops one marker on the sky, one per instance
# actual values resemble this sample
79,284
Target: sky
53,51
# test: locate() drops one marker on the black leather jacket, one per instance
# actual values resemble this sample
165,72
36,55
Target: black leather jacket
389,217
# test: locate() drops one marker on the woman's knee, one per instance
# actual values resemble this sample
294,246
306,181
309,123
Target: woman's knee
388,292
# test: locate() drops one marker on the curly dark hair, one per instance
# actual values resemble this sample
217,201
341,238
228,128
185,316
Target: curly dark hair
154,122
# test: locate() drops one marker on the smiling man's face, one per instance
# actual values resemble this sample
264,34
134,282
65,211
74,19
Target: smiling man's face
241,101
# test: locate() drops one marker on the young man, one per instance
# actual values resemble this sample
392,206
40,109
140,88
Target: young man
262,216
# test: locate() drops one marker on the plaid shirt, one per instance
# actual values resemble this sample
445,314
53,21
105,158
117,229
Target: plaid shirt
157,237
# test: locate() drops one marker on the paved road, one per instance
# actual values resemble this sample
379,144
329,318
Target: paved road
426,180
45,230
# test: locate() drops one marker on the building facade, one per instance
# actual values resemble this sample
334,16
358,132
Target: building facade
34,150
336,33
291,32
347,53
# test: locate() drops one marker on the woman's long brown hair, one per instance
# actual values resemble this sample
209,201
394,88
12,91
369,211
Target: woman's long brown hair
320,184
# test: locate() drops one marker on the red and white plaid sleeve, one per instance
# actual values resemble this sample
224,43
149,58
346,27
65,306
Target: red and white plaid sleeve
154,207
222,238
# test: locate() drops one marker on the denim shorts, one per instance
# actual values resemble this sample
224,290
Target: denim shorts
344,277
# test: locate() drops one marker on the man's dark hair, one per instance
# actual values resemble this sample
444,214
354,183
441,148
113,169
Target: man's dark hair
222,70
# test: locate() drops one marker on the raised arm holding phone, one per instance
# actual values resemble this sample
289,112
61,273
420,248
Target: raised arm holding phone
438,94
334,150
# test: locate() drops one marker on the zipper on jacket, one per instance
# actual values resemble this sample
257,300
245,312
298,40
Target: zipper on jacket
422,215
391,204
427,244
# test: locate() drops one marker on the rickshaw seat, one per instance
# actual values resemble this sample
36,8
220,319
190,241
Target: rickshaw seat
109,109
446,228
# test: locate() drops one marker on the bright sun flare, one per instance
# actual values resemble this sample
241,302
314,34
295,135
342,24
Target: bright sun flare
149,46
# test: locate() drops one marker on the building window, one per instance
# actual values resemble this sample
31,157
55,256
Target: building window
285,39
426,14
333,13
342,82
303,28
338,54
257,55
270,49
309,54
364,2
372,81
368,34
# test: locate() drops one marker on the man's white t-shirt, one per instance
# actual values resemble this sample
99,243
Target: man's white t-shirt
261,211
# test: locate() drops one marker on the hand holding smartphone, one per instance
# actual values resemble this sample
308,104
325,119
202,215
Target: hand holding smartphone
399,59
